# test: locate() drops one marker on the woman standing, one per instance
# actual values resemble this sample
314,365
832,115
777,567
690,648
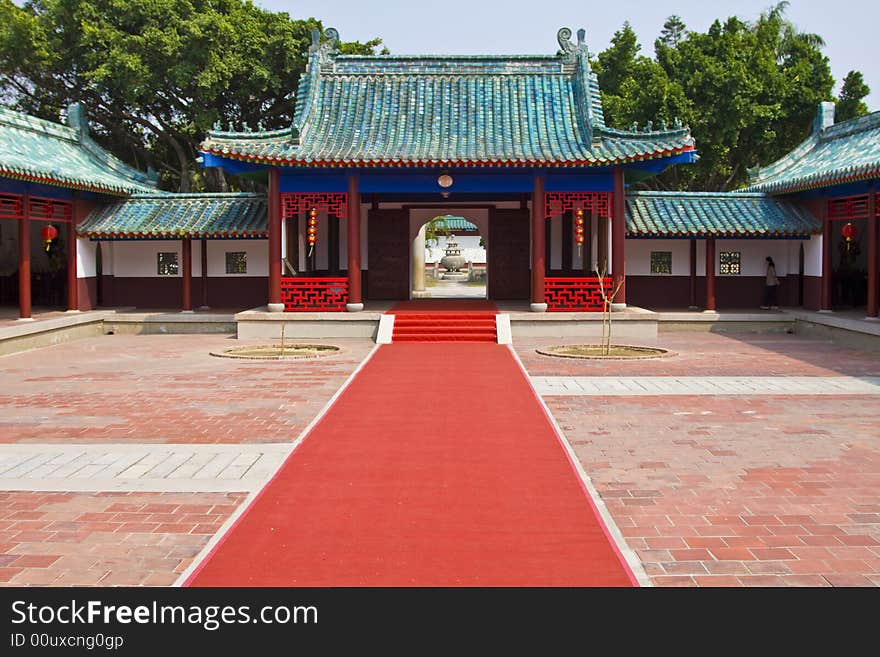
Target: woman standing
771,285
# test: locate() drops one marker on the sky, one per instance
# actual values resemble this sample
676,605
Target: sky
849,27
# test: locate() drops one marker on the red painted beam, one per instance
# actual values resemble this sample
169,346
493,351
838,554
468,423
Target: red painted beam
618,236
826,259
710,273
873,252
355,298
24,260
275,303
186,271
538,245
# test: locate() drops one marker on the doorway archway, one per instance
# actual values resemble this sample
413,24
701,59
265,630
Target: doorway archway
448,259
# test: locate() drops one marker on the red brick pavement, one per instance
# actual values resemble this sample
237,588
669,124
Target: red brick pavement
738,490
105,539
163,388
711,354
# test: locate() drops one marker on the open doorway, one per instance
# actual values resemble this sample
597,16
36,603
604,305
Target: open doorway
449,260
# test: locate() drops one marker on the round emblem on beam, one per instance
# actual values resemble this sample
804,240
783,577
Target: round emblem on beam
445,181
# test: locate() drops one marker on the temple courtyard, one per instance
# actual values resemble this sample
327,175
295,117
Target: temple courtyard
123,456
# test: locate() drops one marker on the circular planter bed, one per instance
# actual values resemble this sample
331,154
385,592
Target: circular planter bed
596,351
274,351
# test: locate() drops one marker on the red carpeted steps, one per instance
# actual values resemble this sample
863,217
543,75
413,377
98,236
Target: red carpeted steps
444,327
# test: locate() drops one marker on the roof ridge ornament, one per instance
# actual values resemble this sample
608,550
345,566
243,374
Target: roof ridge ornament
566,48
325,50
76,119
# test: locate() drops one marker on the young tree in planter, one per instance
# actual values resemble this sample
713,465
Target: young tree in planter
607,299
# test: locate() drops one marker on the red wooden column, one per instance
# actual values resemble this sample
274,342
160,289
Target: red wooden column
355,298
72,281
204,257
618,237
275,303
538,304
186,274
873,250
24,259
710,273
693,298
826,261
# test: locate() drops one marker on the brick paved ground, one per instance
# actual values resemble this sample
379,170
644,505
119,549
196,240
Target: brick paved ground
768,490
712,354
105,539
163,388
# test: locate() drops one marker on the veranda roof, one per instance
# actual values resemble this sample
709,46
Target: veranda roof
724,214
838,154
398,110
40,151
178,216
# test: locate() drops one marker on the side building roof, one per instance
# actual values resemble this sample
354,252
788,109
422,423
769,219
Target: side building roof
176,216
35,150
494,110
833,154
719,214
648,214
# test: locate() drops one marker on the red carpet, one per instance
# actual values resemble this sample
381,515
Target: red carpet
437,466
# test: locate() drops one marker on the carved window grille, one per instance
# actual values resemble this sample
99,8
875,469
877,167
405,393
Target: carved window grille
557,203
167,263
661,262
331,203
730,263
236,262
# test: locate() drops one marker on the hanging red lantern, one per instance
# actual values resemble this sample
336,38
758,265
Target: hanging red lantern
849,231
313,229
579,228
48,233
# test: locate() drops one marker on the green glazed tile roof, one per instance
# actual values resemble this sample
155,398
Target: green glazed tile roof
40,151
680,214
518,110
841,153
459,223
179,215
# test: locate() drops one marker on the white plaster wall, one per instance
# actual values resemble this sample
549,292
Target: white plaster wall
86,266
813,256
138,258
107,259
638,256
754,253
257,257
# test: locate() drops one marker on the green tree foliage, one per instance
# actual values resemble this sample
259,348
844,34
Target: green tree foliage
851,103
748,91
154,75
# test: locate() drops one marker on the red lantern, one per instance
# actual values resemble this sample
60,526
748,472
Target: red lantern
312,234
579,228
48,233
849,231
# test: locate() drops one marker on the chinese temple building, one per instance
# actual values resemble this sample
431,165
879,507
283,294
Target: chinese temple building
516,146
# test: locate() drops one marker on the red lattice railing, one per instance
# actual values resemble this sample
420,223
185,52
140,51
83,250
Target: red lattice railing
314,294
574,294
556,203
331,203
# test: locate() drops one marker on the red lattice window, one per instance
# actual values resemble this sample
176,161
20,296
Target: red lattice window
47,209
851,207
574,294
314,294
11,206
332,203
556,203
